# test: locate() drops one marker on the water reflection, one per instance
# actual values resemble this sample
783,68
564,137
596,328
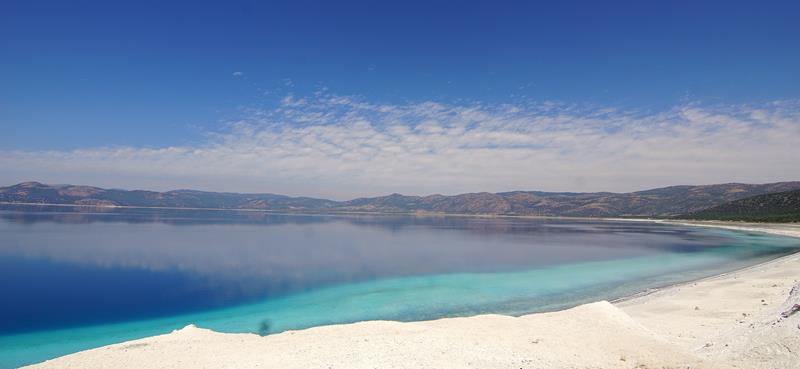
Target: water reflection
32,214
72,266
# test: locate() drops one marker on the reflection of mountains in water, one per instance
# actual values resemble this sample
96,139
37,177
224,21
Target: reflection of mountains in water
30,214
525,229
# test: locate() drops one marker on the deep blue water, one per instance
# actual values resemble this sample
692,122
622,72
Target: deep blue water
72,279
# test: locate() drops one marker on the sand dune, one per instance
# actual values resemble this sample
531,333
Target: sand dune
729,321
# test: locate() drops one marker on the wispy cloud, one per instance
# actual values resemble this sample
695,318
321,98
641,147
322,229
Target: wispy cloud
338,146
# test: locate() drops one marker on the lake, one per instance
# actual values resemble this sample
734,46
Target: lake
78,278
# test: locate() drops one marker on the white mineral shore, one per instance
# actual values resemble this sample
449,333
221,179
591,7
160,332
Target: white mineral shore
732,320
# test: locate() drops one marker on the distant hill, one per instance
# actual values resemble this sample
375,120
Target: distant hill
664,202
35,192
773,207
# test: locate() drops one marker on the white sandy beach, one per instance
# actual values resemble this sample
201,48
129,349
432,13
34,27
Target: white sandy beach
728,321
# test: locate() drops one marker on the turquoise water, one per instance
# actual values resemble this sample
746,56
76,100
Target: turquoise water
485,266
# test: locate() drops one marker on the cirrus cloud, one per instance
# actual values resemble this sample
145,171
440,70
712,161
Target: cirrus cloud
340,147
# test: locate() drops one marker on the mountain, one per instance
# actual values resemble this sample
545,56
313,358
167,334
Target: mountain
657,202
35,192
773,207
667,201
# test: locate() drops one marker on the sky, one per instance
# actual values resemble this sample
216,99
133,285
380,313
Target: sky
342,99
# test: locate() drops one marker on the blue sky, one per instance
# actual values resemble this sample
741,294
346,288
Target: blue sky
86,76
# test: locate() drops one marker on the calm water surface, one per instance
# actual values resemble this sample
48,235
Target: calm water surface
72,279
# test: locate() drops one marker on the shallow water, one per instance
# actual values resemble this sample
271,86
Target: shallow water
73,279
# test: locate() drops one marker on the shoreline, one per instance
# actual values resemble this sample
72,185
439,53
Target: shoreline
790,230
326,212
779,229
641,327
687,222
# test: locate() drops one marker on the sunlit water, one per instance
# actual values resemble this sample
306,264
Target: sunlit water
71,279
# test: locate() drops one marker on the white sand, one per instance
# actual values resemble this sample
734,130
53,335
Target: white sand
729,321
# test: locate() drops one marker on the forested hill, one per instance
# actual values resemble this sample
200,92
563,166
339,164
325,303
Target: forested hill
773,207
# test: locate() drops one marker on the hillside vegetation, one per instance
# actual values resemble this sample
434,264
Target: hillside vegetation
773,207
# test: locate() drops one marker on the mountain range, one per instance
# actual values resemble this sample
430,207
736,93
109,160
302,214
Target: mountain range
659,202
